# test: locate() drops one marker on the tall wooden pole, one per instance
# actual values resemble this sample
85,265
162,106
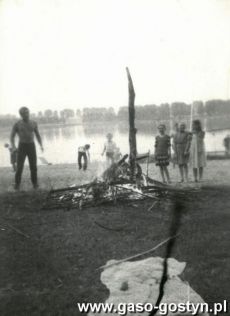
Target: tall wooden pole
132,128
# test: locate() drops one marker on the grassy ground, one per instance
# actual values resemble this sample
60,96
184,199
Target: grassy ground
54,267
55,176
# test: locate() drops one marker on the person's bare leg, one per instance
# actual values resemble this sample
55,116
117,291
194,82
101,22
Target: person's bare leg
201,173
181,173
195,174
162,174
167,174
186,172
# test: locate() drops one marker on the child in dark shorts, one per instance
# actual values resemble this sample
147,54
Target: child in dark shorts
13,157
163,152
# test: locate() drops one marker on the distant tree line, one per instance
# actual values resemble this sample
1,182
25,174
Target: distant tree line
49,116
7,119
46,117
98,114
178,109
146,112
165,111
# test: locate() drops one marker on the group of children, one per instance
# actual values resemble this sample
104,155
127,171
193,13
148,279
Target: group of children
188,148
111,151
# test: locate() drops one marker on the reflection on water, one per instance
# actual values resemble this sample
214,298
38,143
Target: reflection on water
61,143
68,132
52,134
99,129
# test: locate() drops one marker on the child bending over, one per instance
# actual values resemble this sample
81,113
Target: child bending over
83,153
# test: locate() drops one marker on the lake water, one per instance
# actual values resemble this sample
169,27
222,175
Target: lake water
61,143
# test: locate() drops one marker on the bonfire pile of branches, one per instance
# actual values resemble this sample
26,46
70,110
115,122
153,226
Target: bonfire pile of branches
113,186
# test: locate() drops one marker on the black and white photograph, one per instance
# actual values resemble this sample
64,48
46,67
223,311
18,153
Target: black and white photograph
114,157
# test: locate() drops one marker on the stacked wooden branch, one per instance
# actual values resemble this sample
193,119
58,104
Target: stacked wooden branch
93,194
113,186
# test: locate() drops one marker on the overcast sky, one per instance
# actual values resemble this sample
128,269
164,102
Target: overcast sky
73,53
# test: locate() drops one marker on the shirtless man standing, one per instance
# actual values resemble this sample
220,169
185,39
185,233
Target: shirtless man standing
26,129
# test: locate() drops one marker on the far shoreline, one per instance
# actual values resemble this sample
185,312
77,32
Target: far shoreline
117,122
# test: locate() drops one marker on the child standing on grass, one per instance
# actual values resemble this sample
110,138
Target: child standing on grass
226,143
197,150
109,149
13,156
175,131
163,152
181,144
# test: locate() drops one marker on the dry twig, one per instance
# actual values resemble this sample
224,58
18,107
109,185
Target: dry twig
108,228
152,206
139,254
17,230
